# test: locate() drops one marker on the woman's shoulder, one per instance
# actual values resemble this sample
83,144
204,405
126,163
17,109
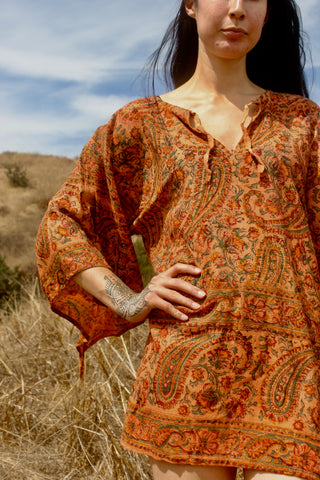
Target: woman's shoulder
288,103
138,107
127,125
131,115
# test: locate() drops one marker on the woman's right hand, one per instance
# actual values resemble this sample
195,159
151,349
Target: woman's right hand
165,292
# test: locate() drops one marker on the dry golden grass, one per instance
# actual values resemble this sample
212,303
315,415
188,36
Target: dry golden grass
21,209
52,425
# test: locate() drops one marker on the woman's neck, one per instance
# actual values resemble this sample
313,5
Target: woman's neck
220,78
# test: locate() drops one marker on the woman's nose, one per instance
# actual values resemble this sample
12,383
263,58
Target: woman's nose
237,9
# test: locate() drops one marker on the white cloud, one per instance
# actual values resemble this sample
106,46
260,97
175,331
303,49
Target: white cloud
78,43
98,106
56,55
55,133
42,132
308,10
77,40
41,65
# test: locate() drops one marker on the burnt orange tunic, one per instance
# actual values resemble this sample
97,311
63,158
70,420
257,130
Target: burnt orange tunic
238,384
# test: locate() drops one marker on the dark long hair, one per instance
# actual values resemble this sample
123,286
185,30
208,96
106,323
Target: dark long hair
276,62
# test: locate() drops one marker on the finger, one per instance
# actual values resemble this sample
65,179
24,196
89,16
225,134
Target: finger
168,308
173,297
182,268
176,284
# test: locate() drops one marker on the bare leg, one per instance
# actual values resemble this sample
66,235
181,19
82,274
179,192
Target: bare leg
258,475
168,471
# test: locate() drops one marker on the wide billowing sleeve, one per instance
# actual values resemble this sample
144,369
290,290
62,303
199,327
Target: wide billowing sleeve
88,224
313,185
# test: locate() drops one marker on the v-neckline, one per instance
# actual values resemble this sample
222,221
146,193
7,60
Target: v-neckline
198,126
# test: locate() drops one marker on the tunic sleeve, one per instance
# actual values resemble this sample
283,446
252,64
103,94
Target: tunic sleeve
88,224
313,187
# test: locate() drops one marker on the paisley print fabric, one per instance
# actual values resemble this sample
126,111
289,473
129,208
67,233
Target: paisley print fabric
238,384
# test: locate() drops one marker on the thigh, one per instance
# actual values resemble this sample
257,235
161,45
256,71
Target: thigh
259,475
169,471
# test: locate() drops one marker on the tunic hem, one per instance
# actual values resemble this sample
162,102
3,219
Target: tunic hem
233,443
217,462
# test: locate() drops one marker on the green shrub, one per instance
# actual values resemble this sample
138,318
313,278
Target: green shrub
4,210
10,283
17,175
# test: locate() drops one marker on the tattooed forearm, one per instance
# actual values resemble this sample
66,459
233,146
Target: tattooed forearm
126,302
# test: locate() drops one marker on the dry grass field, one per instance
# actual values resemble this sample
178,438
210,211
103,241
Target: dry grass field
22,208
52,425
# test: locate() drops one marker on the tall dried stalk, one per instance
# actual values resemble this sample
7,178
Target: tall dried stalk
52,425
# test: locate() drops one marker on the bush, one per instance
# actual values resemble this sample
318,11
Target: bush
10,283
17,176
4,210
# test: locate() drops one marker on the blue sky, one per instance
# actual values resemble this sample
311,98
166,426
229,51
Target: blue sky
66,65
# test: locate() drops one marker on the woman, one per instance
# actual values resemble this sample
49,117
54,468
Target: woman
220,177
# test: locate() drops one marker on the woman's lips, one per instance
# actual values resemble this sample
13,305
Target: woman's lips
234,33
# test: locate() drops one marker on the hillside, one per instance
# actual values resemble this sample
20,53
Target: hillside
21,208
52,425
